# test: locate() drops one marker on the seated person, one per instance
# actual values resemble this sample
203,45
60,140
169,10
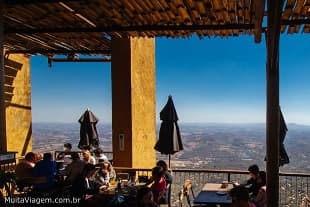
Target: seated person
167,175
38,157
88,158
45,168
66,154
66,151
24,170
145,198
261,198
83,186
159,185
104,174
168,179
240,197
251,184
99,155
74,169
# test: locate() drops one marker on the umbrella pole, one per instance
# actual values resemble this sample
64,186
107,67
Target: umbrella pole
169,161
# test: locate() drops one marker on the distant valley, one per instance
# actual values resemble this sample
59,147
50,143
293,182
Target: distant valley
216,146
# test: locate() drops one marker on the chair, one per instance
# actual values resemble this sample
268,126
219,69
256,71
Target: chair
122,176
186,193
143,179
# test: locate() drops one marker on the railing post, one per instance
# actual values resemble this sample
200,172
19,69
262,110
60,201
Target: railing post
228,177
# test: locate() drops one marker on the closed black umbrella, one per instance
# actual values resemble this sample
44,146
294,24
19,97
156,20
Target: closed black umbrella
169,141
88,130
284,159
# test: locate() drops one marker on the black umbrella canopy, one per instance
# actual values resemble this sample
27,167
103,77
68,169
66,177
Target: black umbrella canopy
169,141
88,131
284,159
168,113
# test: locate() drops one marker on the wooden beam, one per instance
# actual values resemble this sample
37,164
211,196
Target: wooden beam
273,115
24,2
295,21
128,28
86,60
257,26
259,8
62,51
3,141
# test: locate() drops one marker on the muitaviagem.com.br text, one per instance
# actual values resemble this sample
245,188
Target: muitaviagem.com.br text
38,201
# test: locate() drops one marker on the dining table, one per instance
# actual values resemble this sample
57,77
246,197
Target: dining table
110,195
214,194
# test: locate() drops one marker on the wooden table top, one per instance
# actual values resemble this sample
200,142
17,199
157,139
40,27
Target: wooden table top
216,187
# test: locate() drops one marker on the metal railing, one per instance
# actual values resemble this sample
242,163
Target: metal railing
293,186
109,154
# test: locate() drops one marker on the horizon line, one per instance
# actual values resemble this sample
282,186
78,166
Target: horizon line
228,123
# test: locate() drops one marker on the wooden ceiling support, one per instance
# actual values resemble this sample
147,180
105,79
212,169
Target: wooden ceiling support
129,28
273,115
85,60
46,52
295,21
259,8
24,2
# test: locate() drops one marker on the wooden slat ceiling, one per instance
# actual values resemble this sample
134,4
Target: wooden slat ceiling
87,26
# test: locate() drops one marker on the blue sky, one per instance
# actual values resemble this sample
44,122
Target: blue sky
211,80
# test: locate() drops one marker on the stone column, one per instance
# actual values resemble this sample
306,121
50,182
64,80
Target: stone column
133,102
18,104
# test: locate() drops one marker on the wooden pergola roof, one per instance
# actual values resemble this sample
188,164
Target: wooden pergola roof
87,26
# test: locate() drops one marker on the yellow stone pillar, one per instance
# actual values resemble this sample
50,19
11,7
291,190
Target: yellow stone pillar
133,102
18,104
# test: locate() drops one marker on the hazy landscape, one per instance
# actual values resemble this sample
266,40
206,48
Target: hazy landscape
219,146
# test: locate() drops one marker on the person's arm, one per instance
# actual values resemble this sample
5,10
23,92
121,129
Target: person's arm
259,197
149,182
60,156
112,174
168,178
